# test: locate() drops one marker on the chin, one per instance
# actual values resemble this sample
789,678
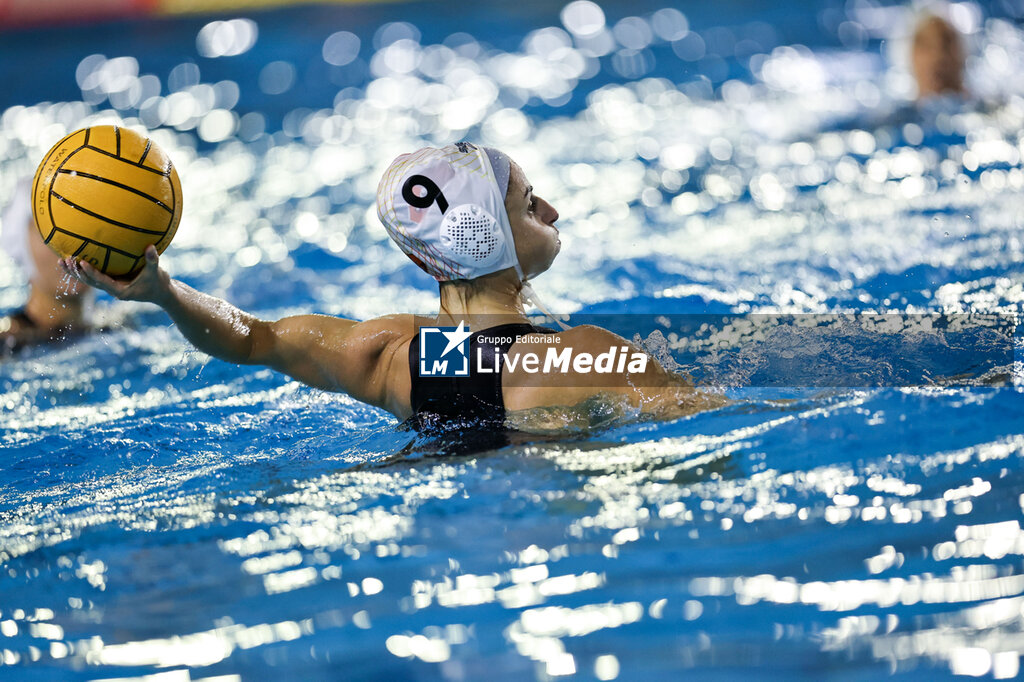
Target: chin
542,266
554,253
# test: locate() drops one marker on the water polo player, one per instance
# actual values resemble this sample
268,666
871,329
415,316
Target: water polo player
55,310
468,217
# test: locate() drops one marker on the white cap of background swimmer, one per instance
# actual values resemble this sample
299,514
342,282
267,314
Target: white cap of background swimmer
445,208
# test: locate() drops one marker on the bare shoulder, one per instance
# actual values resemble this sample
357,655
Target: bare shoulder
386,329
588,337
381,336
384,346
574,352
571,366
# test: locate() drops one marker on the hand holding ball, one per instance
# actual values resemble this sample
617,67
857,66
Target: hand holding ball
105,193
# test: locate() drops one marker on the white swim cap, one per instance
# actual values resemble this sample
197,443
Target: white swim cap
445,208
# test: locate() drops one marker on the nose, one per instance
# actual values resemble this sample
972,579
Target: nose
550,214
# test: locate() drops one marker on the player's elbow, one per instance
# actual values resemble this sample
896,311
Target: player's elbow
262,344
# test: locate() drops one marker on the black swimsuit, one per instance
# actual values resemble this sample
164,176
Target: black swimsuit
474,401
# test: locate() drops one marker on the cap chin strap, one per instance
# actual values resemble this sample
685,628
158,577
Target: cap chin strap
527,292
531,297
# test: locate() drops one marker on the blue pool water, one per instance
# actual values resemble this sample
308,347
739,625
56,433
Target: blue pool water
172,516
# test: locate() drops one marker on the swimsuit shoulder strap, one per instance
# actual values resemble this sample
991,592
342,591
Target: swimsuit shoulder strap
477,397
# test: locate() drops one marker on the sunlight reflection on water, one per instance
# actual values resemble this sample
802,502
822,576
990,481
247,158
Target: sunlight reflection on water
161,511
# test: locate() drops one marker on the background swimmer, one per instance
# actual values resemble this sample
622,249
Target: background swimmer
55,309
937,58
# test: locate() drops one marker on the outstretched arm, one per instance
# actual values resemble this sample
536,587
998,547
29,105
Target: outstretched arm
310,348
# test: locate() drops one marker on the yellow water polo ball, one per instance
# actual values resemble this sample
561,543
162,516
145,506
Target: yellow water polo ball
103,194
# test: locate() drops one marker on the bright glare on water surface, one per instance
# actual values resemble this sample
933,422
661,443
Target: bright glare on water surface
167,514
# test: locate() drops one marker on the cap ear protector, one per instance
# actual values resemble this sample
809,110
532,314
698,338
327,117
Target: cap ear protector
471,236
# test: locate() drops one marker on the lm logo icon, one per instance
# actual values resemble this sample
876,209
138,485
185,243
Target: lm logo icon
444,351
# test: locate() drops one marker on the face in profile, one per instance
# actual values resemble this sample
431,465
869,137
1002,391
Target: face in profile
937,58
533,225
